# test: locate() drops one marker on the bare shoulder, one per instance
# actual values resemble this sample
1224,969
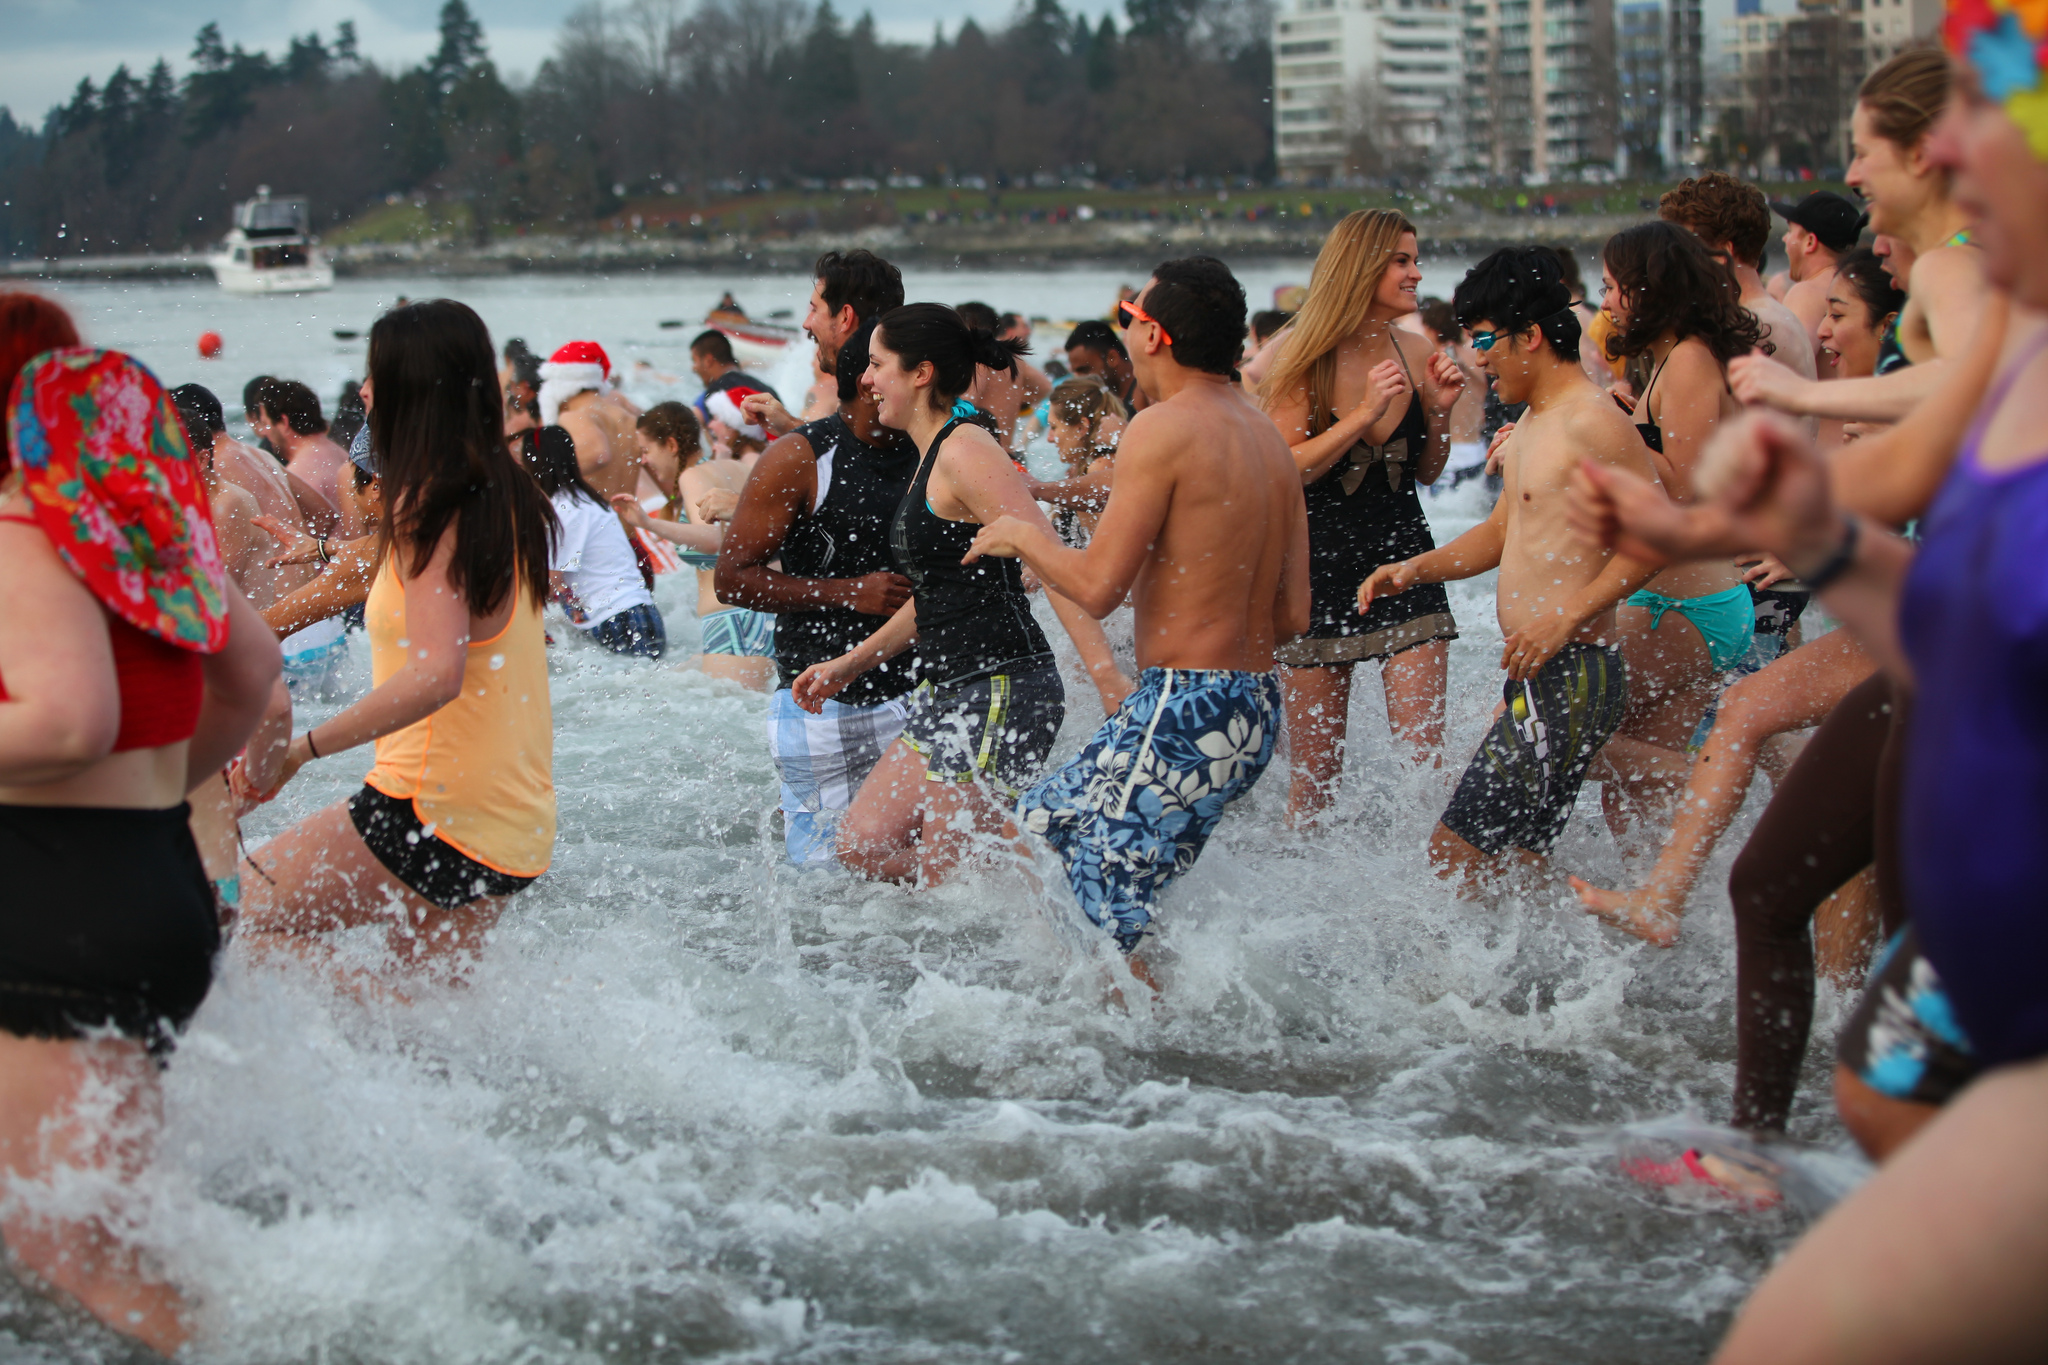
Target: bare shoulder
236,502
1594,427
1947,268
1691,362
1414,349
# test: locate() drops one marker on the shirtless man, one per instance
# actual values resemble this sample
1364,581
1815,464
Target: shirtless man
1567,686
1734,220
847,289
1908,193
1093,349
288,416
600,420
1002,394
1207,531
1818,229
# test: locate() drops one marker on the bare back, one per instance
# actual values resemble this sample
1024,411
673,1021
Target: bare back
1205,479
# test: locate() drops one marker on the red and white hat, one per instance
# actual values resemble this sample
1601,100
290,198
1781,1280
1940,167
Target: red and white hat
576,368
724,404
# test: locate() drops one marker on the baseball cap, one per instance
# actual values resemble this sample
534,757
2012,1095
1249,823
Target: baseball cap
1834,218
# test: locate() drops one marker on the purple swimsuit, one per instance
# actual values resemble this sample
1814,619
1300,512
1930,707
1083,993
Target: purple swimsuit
1974,621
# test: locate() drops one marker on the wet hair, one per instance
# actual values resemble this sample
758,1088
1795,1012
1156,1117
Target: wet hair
1085,400
860,278
1906,95
1200,305
1675,286
29,325
439,431
853,362
296,404
525,365
979,315
1568,268
1097,336
1720,208
253,391
1341,289
1518,287
550,454
201,413
1267,321
1442,319
920,332
715,344
1863,271
673,421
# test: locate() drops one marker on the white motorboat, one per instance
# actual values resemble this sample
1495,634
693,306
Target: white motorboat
271,249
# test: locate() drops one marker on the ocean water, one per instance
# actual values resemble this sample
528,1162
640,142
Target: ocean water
695,1105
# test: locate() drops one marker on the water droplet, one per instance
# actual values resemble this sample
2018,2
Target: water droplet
497,662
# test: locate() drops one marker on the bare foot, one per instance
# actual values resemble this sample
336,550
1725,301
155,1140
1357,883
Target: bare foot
1641,912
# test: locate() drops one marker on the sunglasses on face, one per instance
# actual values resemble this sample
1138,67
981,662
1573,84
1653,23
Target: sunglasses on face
1128,313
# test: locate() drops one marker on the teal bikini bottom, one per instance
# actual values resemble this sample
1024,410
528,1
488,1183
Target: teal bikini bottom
1726,620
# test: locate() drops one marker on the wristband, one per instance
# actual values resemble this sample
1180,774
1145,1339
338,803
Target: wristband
320,544
1837,563
309,745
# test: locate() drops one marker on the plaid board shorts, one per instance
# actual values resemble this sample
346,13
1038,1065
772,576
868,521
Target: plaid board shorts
822,760
1136,806
739,632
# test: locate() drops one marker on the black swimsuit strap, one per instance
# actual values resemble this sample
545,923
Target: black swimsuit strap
1644,406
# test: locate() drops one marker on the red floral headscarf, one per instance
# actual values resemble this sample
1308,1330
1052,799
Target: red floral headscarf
115,488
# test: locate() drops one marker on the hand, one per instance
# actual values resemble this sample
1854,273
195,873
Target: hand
1760,381
1525,651
1004,537
1028,579
767,410
1384,383
1763,570
1386,581
296,546
1495,454
1112,686
1449,380
630,511
877,594
1765,487
819,683
296,755
716,505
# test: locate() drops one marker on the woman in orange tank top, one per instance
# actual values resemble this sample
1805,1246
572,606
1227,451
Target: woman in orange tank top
457,811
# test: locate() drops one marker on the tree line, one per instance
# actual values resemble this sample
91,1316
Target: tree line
701,98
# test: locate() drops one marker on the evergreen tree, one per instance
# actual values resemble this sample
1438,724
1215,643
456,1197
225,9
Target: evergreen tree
345,50
462,48
306,59
1102,56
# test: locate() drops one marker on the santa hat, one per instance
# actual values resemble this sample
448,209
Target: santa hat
724,405
576,368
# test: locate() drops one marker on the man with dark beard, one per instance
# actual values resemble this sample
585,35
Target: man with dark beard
848,290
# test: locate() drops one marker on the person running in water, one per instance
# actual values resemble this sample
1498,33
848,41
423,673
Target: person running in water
1819,230
1734,220
288,418
458,809
1910,201
1366,407
575,394
1567,687
1679,308
1094,351
592,573
809,542
1206,531
848,289
990,698
131,670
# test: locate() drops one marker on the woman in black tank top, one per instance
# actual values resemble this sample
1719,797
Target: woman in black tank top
989,702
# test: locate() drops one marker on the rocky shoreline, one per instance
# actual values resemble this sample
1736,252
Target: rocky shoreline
1020,246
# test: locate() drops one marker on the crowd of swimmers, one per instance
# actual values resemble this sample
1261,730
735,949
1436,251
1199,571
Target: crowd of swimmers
1682,466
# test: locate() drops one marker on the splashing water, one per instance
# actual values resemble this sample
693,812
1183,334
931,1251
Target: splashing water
694,1104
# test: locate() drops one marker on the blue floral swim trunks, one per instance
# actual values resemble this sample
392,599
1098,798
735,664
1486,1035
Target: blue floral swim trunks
1133,809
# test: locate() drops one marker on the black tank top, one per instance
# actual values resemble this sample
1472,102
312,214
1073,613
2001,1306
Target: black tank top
846,536
972,619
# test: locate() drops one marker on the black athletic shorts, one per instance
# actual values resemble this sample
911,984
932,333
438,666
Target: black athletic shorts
1519,789
437,870
106,921
999,727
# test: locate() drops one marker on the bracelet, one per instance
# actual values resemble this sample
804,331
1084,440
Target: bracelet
309,745
1837,563
320,544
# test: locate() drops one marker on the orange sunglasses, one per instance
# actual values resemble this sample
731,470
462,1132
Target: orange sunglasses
1128,312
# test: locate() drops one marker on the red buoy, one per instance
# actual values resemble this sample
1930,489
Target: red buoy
209,345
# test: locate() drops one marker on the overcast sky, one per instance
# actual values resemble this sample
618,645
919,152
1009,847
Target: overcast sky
50,44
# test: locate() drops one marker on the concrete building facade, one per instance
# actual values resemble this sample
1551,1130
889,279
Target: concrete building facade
1541,87
1367,87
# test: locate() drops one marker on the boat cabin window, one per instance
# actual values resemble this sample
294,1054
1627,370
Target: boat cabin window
269,257
241,254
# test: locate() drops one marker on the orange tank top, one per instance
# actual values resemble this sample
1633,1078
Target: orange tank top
479,771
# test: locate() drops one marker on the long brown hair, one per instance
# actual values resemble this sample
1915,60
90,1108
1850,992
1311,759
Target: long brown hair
1676,287
439,428
1340,292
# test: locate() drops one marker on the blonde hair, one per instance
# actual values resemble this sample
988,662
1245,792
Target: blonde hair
1340,293
1085,400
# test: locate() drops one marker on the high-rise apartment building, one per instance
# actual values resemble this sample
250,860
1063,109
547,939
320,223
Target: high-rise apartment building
1366,86
1541,87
